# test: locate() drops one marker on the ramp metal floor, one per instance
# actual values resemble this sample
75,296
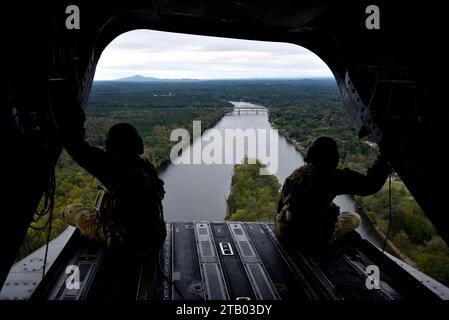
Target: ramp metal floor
229,260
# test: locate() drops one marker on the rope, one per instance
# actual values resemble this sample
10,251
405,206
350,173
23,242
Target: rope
47,209
390,216
50,218
49,202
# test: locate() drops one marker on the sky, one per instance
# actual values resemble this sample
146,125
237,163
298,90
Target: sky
176,56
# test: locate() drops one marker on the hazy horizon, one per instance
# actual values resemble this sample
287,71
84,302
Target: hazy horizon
215,79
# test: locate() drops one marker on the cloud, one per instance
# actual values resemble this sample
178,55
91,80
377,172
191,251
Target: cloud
172,55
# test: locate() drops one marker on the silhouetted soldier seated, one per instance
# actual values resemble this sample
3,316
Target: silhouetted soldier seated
128,216
306,216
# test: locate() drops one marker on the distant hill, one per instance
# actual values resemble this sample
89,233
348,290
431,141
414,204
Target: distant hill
138,78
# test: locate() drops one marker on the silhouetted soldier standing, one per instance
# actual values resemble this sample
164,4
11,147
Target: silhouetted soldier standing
128,217
306,214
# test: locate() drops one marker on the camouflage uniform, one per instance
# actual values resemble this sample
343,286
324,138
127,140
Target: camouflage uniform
138,227
306,215
86,220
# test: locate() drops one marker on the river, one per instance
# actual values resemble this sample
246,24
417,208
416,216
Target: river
199,191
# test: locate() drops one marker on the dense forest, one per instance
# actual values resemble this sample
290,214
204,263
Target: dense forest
300,109
411,231
209,93
253,197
